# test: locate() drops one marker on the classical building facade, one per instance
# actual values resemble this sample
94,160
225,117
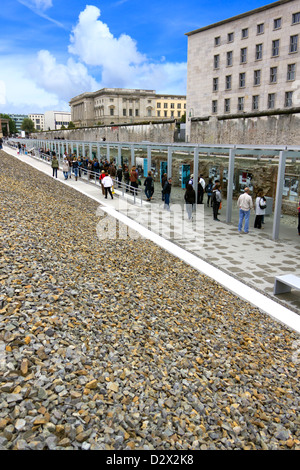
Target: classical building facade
120,105
246,65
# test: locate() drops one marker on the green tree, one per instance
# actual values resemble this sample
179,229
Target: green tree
183,118
27,125
12,125
71,125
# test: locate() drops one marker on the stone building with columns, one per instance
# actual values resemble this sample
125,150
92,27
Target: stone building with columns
119,105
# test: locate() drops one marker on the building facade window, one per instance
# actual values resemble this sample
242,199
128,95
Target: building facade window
158,105
255,102
241,103
215,84
216,61
273,75
242,80
124,112
227,105
277,23
260,28
291,72
243,55
245,33
228,82
294,43
217,41
288,101
271,100
230,37
275,48
229,57
296,18
258,51
257,77
214,106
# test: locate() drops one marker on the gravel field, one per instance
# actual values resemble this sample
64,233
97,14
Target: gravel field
118,345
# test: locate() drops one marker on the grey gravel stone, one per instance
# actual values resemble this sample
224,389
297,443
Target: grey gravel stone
117,345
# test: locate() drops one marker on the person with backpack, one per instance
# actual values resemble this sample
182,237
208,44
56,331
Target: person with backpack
190,199
55,165
216,200
167,192
209,190
148,186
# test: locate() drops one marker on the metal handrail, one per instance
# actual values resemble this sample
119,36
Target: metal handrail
91,176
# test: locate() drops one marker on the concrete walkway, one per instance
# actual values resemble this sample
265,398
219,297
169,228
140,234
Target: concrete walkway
244,264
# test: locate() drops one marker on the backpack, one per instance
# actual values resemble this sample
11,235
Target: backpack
262,205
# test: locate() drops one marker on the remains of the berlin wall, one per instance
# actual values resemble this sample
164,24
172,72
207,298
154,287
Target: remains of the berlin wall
273,129
162,132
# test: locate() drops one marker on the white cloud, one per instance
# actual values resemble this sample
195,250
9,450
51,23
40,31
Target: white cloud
41,5
19,93
121,64
95,45
38,83
65,81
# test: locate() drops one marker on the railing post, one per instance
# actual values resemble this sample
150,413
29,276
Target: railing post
279,191
230,185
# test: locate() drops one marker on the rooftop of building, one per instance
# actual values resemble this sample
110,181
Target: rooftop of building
238,17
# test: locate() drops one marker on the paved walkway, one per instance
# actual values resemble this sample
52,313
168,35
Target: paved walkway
245,264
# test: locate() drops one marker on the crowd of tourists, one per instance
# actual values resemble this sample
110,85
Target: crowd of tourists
107,173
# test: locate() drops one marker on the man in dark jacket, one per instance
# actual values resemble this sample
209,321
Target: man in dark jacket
166,192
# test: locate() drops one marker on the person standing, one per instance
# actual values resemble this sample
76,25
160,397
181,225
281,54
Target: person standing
126,177
101,181
54,165
216,199
260,206
107,183
148,186
245,204
201,187
75,168
209,189
134,180
167,192
119,175
65,167
190,199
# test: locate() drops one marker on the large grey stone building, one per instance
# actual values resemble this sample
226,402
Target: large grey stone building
246,65
120,105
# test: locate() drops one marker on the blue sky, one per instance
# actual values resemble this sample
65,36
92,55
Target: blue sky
53,50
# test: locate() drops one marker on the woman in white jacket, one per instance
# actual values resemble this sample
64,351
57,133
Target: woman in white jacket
260,206
107,183
65,168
